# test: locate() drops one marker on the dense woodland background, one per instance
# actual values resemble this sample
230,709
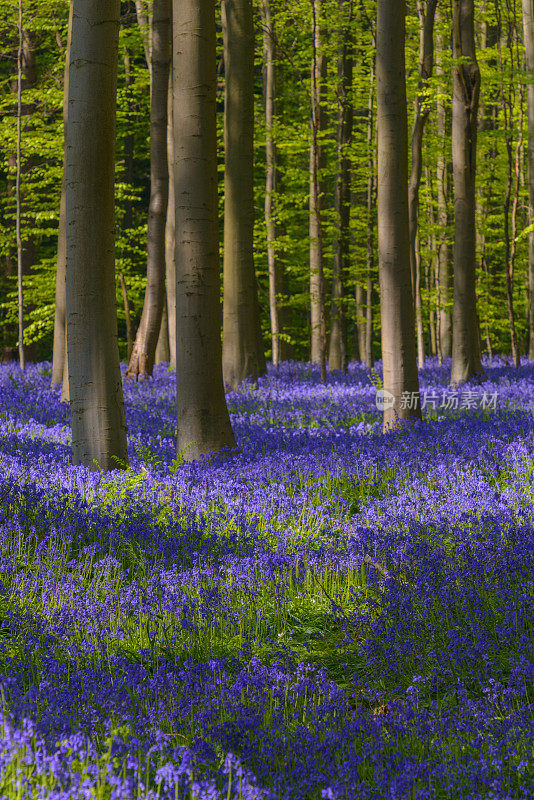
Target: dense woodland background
502,187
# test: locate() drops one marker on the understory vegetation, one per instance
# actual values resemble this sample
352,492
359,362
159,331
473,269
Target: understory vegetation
329,612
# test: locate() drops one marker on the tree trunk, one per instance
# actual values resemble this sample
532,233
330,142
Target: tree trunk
507,110
426,13
143,20
142,360
466,362
419,331
127,315
96,399
203,420
60,334
22,359
317,159
528,36
337,355
401,383
163,354
367,355
269,88
241,354
170,271
444,293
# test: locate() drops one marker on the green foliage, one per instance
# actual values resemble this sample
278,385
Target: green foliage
502,123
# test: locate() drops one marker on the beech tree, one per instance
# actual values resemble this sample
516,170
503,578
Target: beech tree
143,354
337,353
426,10
444,276
466,362
18,168
396,300
203,419
269,92
317,162
241,346
60,333
96,399
528,37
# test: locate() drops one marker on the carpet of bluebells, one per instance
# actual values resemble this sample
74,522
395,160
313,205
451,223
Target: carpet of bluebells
329,612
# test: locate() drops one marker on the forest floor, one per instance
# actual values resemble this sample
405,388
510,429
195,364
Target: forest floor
328,613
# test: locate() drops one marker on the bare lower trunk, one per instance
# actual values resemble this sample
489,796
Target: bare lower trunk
241,352
163,354
466,362
96,400
143,354
60,335
127,316
401,383
318,124
360,320
528,37
420,334
170,270
337,355
203,420
369,358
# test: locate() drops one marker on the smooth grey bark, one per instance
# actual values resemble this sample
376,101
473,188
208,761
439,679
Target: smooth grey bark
426,12
396,300
528,39
127,316
275,277
444,272
60,334
359,296
163,354
466,363
18,175
143,14
203,419
370,232
317,163
241,351
142,360
95,384
337,353
511,198
170,271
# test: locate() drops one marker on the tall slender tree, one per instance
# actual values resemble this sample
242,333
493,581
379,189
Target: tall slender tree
18,159
426,10
401,381
317,163
444,275
241,357
170,271
528,38
337,354
364,293
203,419
143,354
269,90
96,399
60,333
466,363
